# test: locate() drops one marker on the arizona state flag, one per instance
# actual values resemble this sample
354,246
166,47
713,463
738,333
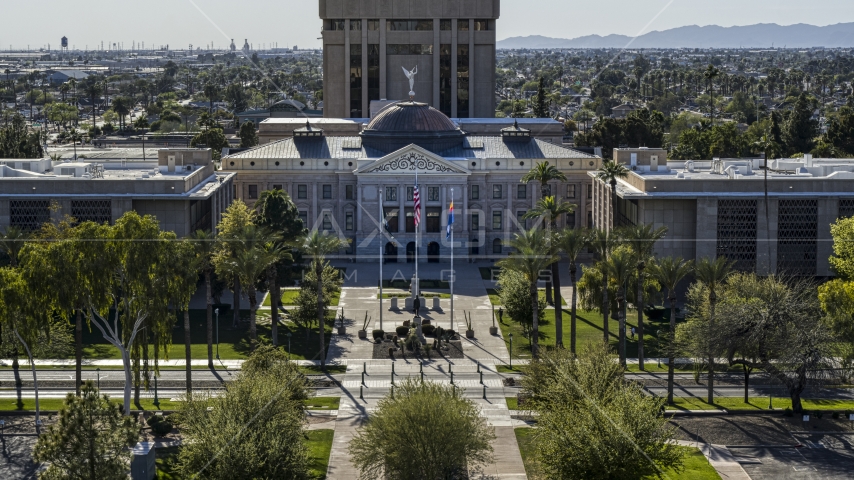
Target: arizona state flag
450,220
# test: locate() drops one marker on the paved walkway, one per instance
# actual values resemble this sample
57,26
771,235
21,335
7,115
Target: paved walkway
359,296
721,459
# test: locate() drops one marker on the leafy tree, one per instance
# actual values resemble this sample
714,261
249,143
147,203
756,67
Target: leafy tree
317,246
254,427
670,272
17,142
540,108
248,137
235,220
90,441
800,129
12,242
212,138
643,128
532,255
770,323
840,132
837,295
592,423
515,293
305,313
424,431
235,95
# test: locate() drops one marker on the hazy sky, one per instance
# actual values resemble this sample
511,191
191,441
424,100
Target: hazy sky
289,22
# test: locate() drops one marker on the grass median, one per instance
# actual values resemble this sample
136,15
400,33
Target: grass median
756,404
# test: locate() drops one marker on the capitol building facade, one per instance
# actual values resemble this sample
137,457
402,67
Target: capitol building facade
340,184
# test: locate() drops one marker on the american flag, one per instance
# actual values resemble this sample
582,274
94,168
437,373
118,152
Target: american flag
417,197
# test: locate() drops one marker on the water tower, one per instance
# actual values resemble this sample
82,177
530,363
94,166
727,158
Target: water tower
64,43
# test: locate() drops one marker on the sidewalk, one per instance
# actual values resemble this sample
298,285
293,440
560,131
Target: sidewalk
721,459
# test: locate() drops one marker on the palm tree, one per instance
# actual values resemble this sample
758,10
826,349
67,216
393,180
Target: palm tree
210,91
93,90
544,172
552,208
713,273
609,174
769,148
572,242
641,239
531,257
711,73
75,137
121,105
619,268
12,242
602,242
204,243
318,245
669,272
250,261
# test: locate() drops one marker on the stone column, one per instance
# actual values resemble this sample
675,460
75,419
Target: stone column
383,86
347,68
471,68
359,228
401,214
454,36
465,211
315,213
828,212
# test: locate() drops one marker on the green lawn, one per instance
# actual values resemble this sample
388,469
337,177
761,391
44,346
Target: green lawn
758,403
289,298
589,329
323,403
319,445
512,403
695,465
508,369
233,342
52,404
496,299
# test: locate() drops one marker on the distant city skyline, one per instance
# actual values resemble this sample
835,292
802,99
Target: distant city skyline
179,23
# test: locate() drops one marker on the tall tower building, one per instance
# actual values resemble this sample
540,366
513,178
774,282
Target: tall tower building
368,43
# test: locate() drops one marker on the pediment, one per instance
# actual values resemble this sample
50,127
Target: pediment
409,159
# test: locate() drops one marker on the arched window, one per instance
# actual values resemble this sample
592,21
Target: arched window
497,246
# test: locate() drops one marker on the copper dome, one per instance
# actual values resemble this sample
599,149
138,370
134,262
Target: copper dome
411,117
405,123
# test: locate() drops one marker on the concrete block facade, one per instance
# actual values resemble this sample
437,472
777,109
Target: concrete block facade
366,43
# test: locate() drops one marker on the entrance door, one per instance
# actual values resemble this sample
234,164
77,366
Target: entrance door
410,252
475,249
390,253
432,252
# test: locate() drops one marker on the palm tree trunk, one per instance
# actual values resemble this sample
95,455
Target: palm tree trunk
253,306
236,303
572,332
321,315
670,359
639,306
558,306
621,314
605,305
535,330
78,350
746,384
209,313
275,296
711,392
188,350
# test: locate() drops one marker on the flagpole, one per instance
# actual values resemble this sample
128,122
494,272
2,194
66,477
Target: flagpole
453,274
417,236
382,227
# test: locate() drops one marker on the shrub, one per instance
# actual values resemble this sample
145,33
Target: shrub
395,339
439,332
428,329
515,293
788,412
390,351
402,331
412,342
654,312
427,350
159,425
378,334
450,334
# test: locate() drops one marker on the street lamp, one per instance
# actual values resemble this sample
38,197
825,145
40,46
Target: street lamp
511,350
99,377
217,333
